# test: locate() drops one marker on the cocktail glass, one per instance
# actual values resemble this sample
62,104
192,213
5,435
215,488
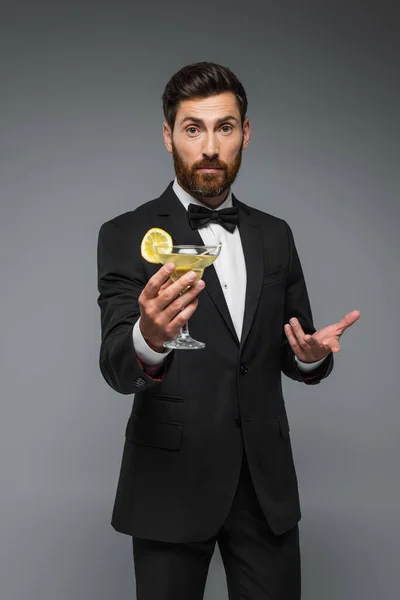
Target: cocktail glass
186,258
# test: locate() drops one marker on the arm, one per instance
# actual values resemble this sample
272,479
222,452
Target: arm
297,304
121,278
150,360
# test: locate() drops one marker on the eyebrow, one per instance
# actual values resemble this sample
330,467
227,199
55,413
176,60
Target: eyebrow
201,122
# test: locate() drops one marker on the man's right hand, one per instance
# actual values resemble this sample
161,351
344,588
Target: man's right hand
163,311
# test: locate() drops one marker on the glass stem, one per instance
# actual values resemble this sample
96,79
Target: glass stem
184,333
185,330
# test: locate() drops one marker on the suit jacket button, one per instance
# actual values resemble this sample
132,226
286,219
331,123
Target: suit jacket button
238,422
243,369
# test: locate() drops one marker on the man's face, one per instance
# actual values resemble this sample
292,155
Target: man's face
207,133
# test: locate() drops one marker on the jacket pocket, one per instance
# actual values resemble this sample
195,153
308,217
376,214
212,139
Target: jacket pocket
149,432
274,276
168,397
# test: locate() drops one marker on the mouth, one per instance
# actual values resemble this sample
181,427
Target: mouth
214,170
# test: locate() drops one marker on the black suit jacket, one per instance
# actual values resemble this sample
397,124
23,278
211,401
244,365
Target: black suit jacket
184,438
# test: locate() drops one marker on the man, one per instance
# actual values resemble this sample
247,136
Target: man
207,455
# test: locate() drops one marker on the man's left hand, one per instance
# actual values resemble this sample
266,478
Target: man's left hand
310,348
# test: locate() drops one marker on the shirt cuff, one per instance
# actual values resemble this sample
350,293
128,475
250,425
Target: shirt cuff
147,355
306,367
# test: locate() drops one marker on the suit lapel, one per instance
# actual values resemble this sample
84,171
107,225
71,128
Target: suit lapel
173,218
251,237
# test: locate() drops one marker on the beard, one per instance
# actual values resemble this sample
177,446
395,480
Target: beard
206,185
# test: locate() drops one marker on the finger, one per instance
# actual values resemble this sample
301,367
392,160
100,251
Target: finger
348,320
172,292
317,347
292,339
312,341
299,333
334,346
152,288
183,316
183,300
166,285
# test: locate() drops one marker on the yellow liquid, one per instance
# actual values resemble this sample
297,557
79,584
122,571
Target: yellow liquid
187,262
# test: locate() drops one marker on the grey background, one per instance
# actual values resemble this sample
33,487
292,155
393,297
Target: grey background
81,141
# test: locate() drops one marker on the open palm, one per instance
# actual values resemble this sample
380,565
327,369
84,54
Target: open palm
310,348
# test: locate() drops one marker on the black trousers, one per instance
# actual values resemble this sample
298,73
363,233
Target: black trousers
259,565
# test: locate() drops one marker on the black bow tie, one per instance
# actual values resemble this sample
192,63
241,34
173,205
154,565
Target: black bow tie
200,216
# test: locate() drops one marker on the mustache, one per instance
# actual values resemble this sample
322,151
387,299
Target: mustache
209,167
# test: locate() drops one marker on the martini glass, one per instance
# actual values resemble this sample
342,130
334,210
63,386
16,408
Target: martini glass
186,258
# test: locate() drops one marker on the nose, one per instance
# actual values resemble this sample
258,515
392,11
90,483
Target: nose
210,149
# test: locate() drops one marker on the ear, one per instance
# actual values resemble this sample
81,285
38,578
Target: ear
167,133
246,132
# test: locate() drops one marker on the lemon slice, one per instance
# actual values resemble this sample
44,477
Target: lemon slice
155,235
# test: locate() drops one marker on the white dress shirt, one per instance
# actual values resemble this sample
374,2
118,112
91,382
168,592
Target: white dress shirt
231,271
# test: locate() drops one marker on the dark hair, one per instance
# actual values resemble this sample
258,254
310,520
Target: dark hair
200,80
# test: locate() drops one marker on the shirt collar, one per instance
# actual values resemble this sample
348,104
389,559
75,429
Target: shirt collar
187,199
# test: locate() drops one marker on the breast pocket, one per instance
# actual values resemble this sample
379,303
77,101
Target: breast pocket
274,276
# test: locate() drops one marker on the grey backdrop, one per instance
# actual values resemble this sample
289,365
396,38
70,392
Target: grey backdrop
81,141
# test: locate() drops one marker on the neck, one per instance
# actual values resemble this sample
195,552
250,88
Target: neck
213,202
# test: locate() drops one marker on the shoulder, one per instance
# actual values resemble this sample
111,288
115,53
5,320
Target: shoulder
261,217
132,219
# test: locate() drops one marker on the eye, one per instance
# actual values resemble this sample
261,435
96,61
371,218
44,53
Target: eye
193,129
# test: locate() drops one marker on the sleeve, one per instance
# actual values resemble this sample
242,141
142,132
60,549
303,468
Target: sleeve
121,278
307,367
297,304
147,355
149,359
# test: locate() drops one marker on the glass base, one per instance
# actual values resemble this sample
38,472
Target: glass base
184,343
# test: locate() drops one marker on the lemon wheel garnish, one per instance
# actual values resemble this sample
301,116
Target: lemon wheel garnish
155,235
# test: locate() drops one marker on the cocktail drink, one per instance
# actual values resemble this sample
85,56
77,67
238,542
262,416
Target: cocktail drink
186,258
